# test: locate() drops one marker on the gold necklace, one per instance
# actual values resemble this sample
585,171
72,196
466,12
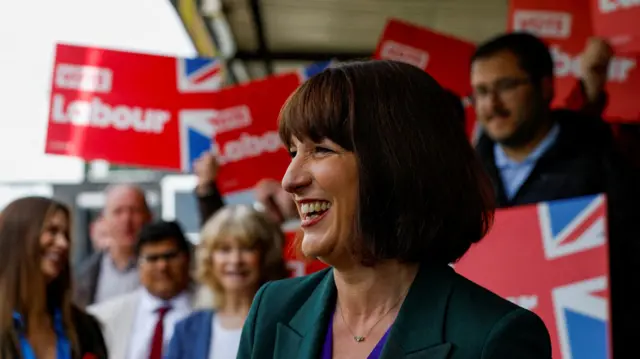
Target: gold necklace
361,338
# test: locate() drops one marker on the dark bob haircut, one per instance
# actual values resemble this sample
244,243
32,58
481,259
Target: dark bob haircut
423,194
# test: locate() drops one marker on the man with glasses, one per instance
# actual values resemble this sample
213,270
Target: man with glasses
536,154
532,152
139,325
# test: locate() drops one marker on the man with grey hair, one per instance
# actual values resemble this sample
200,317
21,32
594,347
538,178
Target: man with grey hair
114,271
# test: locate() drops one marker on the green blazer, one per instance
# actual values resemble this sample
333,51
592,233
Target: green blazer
444,316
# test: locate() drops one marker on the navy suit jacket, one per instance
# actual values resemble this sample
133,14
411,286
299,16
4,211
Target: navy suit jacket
192,336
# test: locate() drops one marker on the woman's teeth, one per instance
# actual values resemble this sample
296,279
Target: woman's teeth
314,209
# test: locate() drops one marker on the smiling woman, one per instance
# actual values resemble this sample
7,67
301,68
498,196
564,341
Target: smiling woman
240,249
37,318
390,193
400,161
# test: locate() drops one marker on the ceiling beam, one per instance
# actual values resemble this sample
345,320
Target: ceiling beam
258,24
303,55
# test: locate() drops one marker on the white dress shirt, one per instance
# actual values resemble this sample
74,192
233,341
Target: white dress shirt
146,318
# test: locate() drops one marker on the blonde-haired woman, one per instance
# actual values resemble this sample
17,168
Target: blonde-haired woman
240,250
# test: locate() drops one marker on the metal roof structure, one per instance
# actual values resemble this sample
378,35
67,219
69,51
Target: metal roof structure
277,32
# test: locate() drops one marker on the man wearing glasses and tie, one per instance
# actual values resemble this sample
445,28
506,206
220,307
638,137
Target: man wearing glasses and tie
139,325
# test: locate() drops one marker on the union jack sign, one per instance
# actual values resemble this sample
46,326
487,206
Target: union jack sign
552,258
199,74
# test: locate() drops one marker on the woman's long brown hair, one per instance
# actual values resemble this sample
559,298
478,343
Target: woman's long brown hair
23,286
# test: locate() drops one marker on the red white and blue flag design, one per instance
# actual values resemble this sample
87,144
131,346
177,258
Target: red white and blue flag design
552,258
309,71
197,135
100,97
199,74
198,127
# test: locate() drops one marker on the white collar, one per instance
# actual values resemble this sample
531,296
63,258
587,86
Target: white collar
150,303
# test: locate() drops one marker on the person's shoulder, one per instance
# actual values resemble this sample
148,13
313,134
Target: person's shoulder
580,129
309,280
89,264
112,307
276,302
195,321
199,315
86,323
295,286
283,297
494,320
90,332
84,320
473,296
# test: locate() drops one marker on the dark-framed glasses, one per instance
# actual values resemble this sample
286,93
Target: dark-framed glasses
501,87
156,257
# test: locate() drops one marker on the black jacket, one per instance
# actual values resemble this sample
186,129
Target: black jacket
579,163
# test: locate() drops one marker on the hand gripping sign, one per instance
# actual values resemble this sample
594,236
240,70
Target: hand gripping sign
617,20
565,25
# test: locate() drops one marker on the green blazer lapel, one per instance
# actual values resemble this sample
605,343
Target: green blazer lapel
287,342
438,351
418,330
303,336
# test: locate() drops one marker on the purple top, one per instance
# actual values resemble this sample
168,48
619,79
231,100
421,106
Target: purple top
327,348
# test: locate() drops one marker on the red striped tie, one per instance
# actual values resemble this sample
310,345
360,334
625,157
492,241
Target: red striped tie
158,333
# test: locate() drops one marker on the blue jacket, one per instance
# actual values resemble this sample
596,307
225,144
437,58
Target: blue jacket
192,337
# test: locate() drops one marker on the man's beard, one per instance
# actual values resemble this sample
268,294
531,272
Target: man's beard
528,127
